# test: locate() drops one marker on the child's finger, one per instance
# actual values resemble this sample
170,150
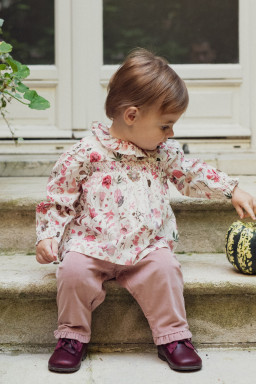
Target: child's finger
254,205
44,253
39,258
240,211
48,254
55,249
42,258
249,210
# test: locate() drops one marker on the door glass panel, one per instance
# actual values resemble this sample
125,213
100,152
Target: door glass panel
29,28
183,31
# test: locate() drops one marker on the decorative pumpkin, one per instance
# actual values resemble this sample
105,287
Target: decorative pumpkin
241,246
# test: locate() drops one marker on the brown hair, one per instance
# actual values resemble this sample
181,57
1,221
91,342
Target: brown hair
143,80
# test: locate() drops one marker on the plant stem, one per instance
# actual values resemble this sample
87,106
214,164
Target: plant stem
8,124
22,102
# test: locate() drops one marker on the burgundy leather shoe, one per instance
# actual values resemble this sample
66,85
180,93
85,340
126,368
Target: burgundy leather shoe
180,355
67,356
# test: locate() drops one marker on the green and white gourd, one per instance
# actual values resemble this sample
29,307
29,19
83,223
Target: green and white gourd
241,246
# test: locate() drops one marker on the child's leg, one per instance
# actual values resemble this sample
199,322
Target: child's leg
156,283
80,291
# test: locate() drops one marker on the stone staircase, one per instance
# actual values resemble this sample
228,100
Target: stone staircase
220,302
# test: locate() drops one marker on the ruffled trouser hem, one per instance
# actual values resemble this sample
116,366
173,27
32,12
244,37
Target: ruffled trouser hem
158,340
165,339
71,335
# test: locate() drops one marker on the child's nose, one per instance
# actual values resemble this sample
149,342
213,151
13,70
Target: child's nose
170,133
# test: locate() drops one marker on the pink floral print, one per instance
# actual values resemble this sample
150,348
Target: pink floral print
109,199
213,175
94,157
106,182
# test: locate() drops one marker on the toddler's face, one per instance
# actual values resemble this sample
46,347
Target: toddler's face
151,129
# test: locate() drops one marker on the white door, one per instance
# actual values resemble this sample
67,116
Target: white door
222,89
221,103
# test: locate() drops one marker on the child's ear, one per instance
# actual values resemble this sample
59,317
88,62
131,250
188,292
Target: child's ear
130,115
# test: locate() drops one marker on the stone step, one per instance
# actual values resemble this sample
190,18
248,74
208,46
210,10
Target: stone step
27,165
39,160
202,223
220,366
220,304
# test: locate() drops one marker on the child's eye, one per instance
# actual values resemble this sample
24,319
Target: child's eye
165,127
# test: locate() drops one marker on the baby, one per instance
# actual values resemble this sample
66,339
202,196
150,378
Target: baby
108,213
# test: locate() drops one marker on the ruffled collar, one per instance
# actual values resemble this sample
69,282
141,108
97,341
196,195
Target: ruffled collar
101,131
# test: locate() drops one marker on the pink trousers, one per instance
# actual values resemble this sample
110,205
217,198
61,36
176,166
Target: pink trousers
155,282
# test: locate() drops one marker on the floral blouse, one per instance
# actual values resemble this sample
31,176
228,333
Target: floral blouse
109,199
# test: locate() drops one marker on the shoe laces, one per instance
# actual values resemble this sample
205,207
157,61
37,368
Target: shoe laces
70,345
172,346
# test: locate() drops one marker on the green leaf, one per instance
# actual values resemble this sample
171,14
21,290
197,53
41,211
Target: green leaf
2,67
39,103
4,47
29,95
21,87
12,64
36,101
22,70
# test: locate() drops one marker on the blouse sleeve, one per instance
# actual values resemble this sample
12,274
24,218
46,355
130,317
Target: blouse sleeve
63,191
197,179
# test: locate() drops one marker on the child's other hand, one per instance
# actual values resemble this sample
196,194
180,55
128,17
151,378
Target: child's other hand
244,203
47,251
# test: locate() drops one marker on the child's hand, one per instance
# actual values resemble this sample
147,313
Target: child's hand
244,203
47,251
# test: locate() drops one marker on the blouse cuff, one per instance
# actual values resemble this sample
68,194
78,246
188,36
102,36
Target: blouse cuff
49,234
231,185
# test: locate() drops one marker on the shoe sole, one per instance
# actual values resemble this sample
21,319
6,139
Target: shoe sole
66,370
179,368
